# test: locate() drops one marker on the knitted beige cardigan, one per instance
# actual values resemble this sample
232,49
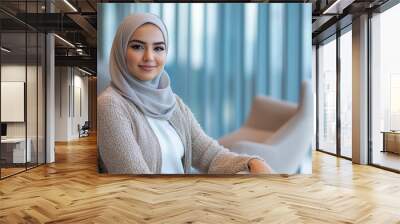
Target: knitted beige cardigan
128,145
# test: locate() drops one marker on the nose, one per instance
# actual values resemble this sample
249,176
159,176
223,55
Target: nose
148,55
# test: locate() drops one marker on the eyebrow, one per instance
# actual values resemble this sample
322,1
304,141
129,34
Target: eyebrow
142,42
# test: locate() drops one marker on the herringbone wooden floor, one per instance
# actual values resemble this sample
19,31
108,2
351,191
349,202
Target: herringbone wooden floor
71,191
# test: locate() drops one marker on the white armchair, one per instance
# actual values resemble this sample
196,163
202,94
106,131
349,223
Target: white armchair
279,132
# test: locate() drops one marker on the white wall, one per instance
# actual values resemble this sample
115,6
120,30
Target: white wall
80,100
61,103
70,84
12,73
34,124
17,73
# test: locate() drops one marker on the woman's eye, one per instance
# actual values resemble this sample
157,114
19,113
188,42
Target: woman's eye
159,49
137,47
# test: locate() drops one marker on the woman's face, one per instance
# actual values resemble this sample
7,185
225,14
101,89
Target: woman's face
146,52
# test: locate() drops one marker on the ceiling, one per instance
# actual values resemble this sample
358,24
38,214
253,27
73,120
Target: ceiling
332,15
76,24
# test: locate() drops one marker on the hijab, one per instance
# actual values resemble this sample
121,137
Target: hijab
153,97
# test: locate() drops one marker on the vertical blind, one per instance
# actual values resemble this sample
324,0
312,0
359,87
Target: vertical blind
223,54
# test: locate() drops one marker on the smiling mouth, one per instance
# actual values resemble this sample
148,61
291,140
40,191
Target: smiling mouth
147,67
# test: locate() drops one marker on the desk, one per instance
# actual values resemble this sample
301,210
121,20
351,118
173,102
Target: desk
391,141
16,148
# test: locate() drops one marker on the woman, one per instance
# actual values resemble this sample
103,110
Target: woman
143,127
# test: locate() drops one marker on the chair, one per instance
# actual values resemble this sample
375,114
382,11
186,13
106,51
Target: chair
279,132
84,130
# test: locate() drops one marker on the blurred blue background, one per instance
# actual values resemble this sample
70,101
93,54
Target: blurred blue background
222,55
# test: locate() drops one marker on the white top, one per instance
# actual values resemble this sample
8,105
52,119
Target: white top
171,146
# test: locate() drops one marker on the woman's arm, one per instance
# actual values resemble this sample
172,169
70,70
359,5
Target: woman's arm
209,156
116,141
257,166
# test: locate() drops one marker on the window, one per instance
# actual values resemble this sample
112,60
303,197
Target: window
327,96
385,89
22,67
346,94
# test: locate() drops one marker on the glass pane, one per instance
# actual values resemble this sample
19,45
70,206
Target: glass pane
31,87
41,99
327,96
13,86
346,94
386,89
31,97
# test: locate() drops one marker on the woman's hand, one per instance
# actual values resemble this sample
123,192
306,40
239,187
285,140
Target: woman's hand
257,166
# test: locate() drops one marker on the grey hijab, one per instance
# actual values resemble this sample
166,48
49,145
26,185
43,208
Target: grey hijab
154,97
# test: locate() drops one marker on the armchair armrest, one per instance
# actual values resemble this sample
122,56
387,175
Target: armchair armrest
278,157
269,114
